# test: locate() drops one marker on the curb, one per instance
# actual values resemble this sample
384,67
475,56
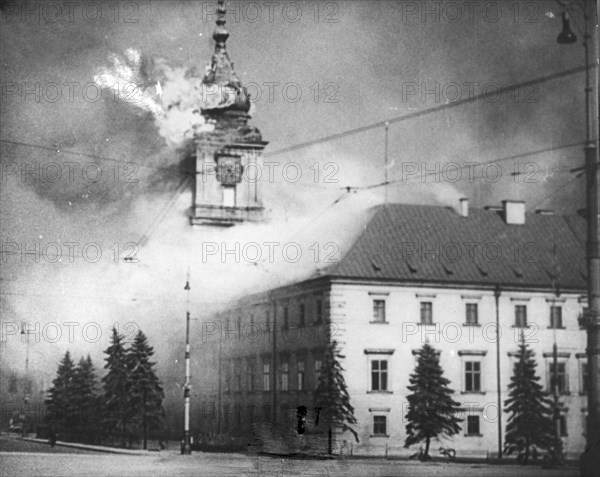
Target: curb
74,445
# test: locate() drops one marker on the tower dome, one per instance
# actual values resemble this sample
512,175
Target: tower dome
222,87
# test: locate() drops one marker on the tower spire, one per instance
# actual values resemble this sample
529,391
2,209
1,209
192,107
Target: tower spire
220,34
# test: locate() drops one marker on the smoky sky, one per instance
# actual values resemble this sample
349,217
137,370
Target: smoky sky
331,68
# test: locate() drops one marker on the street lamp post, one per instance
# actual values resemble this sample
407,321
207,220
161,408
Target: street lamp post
27,388
186,448
557,454
590,460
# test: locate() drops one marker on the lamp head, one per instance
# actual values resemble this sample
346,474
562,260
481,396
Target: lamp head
566,36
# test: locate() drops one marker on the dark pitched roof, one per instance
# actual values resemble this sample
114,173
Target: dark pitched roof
478,249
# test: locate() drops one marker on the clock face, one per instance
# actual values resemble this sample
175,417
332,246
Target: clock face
229,170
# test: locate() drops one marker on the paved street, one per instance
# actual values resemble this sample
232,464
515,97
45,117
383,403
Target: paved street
18,458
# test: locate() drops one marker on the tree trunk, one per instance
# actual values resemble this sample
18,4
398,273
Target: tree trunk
427,442
144,424
330,441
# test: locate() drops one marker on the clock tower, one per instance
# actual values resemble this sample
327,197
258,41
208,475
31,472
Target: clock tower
228,158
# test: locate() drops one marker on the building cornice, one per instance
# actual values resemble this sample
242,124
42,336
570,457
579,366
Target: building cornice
559,354
450,285
379,351
472,352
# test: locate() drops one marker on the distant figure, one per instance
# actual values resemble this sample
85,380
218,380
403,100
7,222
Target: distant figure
52,436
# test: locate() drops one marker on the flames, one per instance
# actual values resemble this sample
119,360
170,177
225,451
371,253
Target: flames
173,96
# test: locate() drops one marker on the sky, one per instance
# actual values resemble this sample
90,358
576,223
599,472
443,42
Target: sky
313,70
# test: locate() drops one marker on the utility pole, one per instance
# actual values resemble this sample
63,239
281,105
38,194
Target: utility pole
497,292
557,451
590,460
385,165
186,448
27,385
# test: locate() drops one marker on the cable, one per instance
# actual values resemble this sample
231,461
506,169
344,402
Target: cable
493,161
163,212
82,154
416,114
350,132
561,188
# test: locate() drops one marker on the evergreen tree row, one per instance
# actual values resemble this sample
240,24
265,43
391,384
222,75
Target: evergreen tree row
128,405
433,414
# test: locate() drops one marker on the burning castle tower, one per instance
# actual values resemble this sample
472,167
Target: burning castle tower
228,158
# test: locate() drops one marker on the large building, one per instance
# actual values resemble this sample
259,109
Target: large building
415,274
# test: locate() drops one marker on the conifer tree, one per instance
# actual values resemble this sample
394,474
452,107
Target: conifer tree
115,386
331,396
60,400
432,412
530,423
145,391
85,399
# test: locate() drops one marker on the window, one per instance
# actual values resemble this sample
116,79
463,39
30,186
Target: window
521,316
558,376
12,384
473,426
226,416
318,365
378,311
228,196
472,316
301,315
379,425
251,377
319,315
227,377
556,317
238,379
301,412
251,413
584,378
582,315
266,377
301,371
564,431
426,313
286,322
379,375
285,374
472,376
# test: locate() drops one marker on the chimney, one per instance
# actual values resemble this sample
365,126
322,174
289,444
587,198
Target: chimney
514,211
464,207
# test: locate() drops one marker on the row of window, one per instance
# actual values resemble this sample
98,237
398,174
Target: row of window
471,314
287,382
472,426
302,318
302,314
379,422
472,373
